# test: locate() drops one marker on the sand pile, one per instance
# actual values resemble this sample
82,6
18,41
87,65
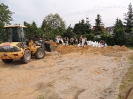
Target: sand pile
71,48
88,72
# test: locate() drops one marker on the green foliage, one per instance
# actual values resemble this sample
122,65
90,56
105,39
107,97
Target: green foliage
129,19
127,81
5,15
3,36
98,25
132,30
108,38
82,28
53,25
119,33
130,47
33,30
69,32
5,18
130,41
90,36
98,20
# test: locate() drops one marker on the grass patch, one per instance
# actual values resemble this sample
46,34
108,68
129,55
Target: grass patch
41,97
127,81
48,94
130,47
48,97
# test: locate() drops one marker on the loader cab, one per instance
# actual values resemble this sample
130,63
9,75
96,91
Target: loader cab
15,33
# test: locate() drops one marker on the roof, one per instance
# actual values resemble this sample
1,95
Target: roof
15,25
9,43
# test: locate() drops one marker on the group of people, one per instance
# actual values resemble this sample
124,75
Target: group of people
70,41
65,40
81,41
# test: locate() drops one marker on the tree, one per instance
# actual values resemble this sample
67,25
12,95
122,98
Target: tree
82,28
53,25
132,29
5,15
129,19
98,25
33,30
108,38
129,38
69,32
119,33
5,18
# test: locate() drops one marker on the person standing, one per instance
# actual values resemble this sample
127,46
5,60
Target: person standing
84,41
102,42
71,41
80,40
76,40
65,40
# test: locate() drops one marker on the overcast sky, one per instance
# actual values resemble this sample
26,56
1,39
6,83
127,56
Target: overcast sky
71,11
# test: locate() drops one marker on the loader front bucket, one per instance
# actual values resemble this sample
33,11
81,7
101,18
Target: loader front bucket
50,46
53,48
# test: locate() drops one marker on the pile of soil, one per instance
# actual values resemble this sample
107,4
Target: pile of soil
103,50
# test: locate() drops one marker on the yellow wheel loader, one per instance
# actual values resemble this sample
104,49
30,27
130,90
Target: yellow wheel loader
17,48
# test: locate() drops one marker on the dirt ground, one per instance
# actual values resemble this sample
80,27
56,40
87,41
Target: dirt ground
70,72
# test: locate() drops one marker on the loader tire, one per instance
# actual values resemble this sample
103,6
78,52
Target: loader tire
7,60
26,57
40,53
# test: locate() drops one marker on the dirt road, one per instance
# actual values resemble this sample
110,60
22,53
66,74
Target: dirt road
80,73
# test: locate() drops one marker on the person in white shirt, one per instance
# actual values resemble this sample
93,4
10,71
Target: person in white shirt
83,41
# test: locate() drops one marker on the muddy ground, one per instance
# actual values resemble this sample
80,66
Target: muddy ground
68,73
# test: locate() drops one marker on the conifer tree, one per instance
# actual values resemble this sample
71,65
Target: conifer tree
98,25
129,19
119,33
